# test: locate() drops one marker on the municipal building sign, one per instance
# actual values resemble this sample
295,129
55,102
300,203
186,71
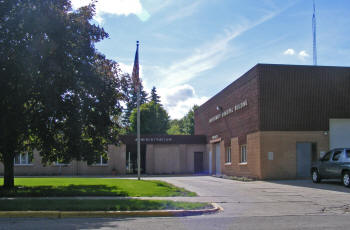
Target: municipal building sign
229,111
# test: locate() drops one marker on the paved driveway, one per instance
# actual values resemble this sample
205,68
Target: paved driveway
247,205
267,198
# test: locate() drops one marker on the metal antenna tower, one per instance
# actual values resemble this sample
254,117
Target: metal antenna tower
314,35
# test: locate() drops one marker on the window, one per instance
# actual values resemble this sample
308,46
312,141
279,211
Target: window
348,153
327,156
228,154
336,155
243,154
103,160
23,159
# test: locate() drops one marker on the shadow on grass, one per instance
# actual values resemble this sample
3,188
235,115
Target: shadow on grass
61,191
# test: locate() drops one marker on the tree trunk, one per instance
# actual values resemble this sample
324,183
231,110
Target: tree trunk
9,171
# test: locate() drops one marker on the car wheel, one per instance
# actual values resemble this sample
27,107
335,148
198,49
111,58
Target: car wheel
346,179
316,176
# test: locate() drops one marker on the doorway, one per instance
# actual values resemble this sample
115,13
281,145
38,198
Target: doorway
217,159
198,162
305,153
131,159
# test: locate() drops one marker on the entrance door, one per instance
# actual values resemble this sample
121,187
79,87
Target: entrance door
198,162
217,159
304,156
131,159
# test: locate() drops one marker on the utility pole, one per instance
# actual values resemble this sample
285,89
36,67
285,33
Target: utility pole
314,35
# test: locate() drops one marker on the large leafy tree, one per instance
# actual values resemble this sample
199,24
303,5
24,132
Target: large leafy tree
175,127
183,126
153,118
57,93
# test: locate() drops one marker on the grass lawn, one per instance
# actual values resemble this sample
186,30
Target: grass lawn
95,205
66,186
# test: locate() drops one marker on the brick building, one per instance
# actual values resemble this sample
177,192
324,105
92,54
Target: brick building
270,123
273,121
160,154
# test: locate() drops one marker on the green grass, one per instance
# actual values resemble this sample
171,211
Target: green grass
95,205
64,186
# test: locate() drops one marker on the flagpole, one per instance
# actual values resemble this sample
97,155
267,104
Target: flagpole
138,126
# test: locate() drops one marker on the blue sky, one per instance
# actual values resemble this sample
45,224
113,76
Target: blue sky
192,49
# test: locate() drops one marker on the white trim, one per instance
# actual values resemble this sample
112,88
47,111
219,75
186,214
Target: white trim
243,163
100,163
243,159
228,163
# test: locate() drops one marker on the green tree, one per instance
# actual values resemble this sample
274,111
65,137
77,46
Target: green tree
183,126
57,93
154,96
130,97
153,118
175,127
188,121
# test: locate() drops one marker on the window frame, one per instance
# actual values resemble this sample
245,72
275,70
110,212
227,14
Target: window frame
27,161
228,157
100,162
243,154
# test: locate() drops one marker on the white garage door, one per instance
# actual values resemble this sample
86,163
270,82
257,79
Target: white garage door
339,133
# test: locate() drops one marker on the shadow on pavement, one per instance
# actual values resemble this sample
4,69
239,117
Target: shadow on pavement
65,223
330,185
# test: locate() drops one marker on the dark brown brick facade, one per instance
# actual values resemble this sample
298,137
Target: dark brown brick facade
302,98
238,123
280,98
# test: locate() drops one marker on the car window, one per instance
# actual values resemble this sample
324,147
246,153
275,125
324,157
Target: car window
336,155
348,153
327,156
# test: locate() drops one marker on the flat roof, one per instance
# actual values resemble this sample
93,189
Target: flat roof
164,139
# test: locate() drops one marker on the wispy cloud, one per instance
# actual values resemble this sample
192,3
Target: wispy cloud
303,54
289,52
210,54
115,7
183,12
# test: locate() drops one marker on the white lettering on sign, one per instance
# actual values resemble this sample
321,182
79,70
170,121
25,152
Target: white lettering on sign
229,111
155,139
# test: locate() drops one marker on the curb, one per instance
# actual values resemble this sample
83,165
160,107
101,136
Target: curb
104,214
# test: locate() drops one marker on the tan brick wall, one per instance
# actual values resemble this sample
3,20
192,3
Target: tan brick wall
173,158
283,145
160,159
252,167
116,160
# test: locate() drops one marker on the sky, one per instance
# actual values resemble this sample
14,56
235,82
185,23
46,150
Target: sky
191,49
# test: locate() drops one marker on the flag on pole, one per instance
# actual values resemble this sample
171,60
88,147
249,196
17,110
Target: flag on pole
135,70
